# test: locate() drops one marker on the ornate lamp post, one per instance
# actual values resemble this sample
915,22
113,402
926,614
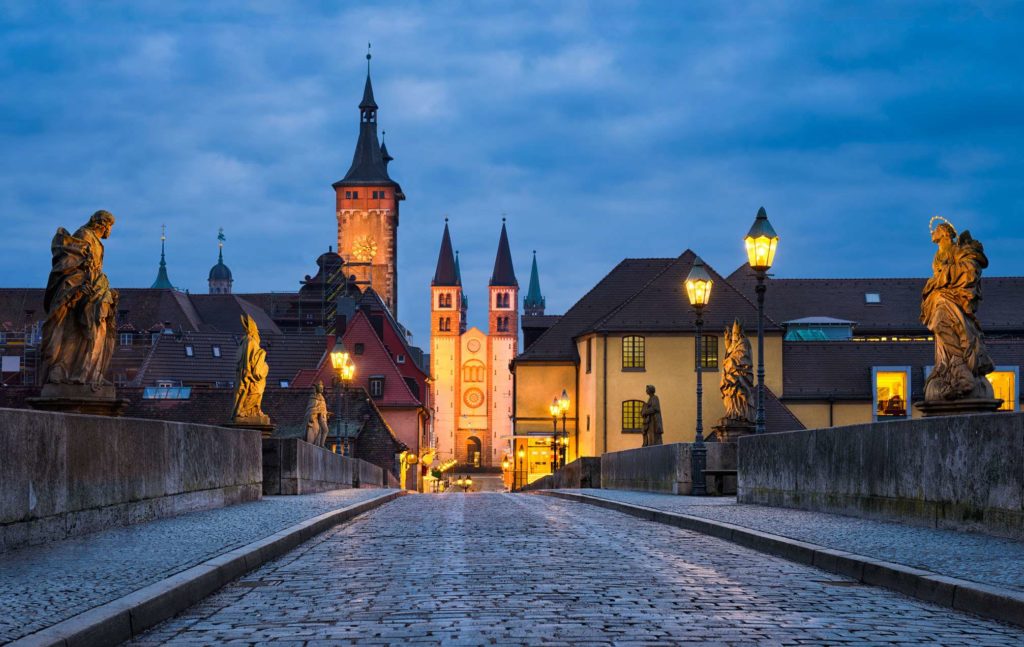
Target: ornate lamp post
346,371
555,409
521,454
761,242
698,291
563,406
505,465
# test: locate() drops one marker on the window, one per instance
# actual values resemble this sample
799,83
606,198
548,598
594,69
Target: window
377,386
355,195
215,350
633,358
444,324
709,352
126,339
632,421
473,371
167,393
589,353
189,351
285,384
348,195
891,392
1004,385
359,348
502,300
400,359
444,300
3,337
502,324
872,297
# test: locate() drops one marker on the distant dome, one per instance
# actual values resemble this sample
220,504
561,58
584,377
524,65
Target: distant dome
220,272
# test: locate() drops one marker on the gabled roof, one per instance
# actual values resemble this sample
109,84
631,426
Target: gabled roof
223,312
447,272
899,301
504,274
661,305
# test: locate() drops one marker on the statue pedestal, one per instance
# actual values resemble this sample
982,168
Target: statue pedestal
262,424
79,398
728,430
933,408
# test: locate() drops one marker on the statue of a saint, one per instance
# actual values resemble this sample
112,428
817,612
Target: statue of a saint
651,414
80,328
948,309
251,377
316,416
737,381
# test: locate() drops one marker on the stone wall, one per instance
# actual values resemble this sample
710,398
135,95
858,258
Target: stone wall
65,474
581,473
370,475
663,468
293,466
964,472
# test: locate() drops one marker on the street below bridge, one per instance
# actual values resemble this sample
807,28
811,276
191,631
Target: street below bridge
504,569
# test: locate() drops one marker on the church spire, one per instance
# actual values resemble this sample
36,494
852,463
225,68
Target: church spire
447,272
504,273
162,282
369,167
533,304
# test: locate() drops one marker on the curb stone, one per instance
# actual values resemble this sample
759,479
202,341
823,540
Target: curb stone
130,615
963,595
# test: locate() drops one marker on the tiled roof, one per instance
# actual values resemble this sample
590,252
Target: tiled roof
842,369
223,312
504,273
898,311
619,285
286,356
540,321
778,417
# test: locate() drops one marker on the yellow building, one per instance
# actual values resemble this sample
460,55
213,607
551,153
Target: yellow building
827,361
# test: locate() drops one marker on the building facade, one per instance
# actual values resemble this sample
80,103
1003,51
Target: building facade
471,381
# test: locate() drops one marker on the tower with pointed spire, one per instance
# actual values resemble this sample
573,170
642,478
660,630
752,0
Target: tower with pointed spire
162,282
220,279
366,207
533,304
471,386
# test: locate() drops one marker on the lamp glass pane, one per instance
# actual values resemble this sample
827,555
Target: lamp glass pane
761,251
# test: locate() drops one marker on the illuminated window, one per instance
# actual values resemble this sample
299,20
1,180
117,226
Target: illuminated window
1004,384
215,350
189,351
891,391
872,297
632,421
633,357
709,351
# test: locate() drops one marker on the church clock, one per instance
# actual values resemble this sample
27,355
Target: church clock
365,249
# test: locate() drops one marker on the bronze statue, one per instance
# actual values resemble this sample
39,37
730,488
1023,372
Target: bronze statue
316,416
948,309
737,381
251,377
651,413
81,327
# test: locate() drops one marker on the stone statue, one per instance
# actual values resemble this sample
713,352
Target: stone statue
651,413
737,381
81,327
948,309
316,416
251,377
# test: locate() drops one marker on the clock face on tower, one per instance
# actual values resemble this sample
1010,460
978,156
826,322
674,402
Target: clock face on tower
365,249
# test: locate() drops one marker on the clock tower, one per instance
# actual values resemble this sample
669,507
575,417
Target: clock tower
366,207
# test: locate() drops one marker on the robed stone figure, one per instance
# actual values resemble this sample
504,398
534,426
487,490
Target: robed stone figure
251,371
316,416
737,379
651,414
80,328
949,310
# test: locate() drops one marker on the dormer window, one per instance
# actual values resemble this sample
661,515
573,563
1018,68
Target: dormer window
873,298
190,351
215,350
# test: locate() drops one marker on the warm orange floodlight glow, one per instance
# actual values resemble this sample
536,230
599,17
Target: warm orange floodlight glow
339,355
698,284
761,242
555,409
563,401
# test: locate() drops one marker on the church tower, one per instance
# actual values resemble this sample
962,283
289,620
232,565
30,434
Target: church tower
367,209
533,304
220,279
162,281
502,343
446,327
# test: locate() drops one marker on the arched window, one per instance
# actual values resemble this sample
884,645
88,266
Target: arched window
632,421
633,354
474,371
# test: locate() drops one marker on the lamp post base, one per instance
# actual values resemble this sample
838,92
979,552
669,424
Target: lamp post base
699,455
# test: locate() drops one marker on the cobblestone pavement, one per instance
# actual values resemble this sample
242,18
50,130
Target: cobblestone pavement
42,585
969,556
523,569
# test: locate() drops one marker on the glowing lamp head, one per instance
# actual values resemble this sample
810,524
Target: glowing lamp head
563,401
522,453
555,409
348,372
339,355
761,242
698,284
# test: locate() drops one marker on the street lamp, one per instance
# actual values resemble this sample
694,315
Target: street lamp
563,405
346,371
505,464
698,291
521,454
761,242
555,409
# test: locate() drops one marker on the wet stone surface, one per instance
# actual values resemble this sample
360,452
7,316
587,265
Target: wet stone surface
504,569
43,585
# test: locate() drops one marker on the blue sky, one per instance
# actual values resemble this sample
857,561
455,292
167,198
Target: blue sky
603,130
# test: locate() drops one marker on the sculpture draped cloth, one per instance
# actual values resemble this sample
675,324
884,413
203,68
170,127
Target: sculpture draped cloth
316,416
651,414
80,328
251,376
948,309
737,381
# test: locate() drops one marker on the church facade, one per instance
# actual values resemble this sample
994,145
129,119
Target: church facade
471,387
